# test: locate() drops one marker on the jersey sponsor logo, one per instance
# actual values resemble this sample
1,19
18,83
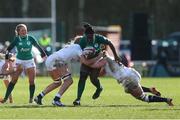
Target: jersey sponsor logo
20,43
25,49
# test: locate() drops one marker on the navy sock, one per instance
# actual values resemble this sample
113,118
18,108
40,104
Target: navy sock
31,90
9,90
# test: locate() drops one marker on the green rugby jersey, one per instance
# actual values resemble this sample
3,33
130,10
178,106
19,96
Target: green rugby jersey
97,41
24,47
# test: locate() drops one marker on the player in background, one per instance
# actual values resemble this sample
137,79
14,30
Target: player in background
24,59
5,74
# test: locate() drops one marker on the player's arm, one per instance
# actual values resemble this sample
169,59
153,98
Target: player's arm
96,62
114,51
100,63
104,40
9,48
88,62
36,44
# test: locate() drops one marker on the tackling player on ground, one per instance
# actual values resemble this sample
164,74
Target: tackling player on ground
130,80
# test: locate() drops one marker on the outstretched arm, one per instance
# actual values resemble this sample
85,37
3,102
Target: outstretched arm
90,61
117,59
96,62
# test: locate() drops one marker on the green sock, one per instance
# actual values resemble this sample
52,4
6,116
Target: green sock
9,90
81,86
31,90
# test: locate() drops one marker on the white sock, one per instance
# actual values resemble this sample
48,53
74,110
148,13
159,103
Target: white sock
42,94
58,95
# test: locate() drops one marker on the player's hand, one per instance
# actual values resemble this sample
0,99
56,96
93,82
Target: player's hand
44,58
117,59
104,54
124,60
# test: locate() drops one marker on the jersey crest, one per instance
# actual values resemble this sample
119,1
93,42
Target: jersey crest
28,43
96,45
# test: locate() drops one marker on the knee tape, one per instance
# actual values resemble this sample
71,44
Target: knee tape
144,97
64,77
57,81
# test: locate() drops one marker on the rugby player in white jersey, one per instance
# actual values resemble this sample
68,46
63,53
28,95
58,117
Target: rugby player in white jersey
57,67
5,72
130,80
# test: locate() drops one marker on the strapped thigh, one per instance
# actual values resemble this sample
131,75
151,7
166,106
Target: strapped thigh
64,77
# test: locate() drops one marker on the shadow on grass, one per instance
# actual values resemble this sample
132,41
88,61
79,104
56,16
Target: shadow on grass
112,106
48,106
144,107
27,106
163,109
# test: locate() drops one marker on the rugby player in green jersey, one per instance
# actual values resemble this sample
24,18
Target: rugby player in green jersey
24,59
95,40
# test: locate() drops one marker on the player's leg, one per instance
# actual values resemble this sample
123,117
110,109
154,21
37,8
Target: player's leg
54,69
31,73
152,90
30,68
13,81
56,76
95,81
6,82
138,93
84,72
66,84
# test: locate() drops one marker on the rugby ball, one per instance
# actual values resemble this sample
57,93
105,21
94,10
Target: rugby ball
89,52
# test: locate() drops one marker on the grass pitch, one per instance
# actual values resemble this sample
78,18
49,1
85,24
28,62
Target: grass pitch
112,104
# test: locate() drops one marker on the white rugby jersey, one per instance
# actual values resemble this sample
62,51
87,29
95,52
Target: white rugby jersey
69,53
120,72
1,65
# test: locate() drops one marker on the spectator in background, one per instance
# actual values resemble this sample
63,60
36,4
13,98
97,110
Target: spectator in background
45,43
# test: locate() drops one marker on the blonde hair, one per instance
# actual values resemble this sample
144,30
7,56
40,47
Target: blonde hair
18,27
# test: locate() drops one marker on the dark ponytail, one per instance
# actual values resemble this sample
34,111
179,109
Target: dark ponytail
88,28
